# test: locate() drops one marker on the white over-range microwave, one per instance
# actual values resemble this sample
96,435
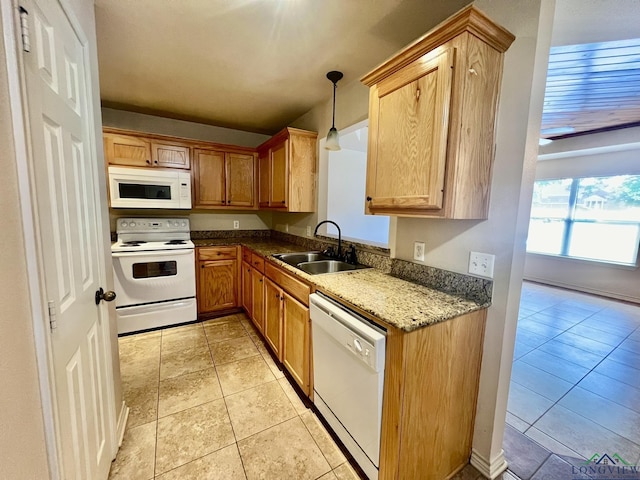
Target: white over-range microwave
149,188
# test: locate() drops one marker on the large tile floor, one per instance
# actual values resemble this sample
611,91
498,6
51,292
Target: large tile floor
575,384
208,402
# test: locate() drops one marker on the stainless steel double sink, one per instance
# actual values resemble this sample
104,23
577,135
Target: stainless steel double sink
315,263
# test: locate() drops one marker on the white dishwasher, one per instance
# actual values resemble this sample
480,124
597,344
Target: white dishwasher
348,377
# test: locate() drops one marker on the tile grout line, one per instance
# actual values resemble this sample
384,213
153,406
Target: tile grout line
575,384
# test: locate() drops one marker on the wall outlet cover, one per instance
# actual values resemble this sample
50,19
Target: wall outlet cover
236,224
308,230
418,251
286,227
481,264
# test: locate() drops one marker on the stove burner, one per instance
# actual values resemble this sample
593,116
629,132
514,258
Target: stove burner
133,243
176,242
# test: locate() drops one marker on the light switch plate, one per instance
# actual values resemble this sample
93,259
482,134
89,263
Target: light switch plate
236,224
481,264
418,251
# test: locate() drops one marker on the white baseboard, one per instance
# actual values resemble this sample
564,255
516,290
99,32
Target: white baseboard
489,469
122,423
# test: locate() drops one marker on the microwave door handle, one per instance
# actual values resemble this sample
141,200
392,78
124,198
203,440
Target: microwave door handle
152,253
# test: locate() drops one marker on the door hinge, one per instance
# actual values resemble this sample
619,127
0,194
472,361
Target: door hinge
53,319
24,29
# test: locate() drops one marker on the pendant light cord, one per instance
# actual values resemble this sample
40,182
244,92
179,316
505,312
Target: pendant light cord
333,121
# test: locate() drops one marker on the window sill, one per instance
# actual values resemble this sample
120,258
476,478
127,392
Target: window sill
600,263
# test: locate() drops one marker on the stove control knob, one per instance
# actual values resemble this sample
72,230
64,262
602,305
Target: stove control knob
184,224
132,224
124,224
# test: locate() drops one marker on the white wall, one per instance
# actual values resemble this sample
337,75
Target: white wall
179,128
601,154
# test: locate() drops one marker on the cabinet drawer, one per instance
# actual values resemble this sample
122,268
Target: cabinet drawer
217,253
257,262
246,255
293,286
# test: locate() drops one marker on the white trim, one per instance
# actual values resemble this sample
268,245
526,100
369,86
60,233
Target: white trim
33,257
590,151
491,469
122,423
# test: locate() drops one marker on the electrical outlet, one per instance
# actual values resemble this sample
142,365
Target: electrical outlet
236,224
418,251
481,264
308,230
286,227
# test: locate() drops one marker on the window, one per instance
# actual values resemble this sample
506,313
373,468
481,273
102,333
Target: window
593,218
346,179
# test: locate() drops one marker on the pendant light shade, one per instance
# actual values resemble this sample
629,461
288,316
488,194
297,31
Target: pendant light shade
333,142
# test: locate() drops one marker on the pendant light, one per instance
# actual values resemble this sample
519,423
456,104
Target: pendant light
333,142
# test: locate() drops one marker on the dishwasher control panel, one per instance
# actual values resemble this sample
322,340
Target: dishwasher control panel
361,348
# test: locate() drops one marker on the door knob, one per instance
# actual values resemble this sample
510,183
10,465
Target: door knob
108,296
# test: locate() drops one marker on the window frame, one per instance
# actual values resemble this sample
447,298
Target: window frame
570,221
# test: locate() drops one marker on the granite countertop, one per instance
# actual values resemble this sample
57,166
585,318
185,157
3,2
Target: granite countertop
400,303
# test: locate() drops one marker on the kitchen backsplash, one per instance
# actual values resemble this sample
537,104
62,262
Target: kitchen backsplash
473,288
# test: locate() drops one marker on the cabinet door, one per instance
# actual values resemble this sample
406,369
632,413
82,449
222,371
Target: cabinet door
264,175
209,176
295,343
246,288
408,144
257,297
127,150
170,155
217,283
279,174
273,298
240,172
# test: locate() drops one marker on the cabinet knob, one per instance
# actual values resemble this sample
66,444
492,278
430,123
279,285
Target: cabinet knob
277,295
281,298
228,201
156,162
148,162
369,199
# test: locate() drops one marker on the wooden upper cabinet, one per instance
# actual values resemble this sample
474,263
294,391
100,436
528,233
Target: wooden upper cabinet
127,150
140,150
208,178
224,179
170,155
279,175
240,176
287,171
432,113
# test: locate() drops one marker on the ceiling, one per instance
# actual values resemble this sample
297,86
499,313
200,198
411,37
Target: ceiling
257,65
593,81
254,65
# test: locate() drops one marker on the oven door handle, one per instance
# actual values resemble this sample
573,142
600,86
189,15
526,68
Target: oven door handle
154,253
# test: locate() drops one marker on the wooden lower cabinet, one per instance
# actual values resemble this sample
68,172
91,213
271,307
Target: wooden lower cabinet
247,300
217,283
257,298
273,298
429,399
296,350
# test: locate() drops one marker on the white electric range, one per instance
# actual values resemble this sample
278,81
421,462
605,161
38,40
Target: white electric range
154,273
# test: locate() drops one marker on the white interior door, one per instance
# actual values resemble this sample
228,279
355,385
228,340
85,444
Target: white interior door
64,170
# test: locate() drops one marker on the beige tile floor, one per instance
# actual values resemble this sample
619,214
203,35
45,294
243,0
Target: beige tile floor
207,401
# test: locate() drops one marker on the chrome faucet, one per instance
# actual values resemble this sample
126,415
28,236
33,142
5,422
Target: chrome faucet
338,254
